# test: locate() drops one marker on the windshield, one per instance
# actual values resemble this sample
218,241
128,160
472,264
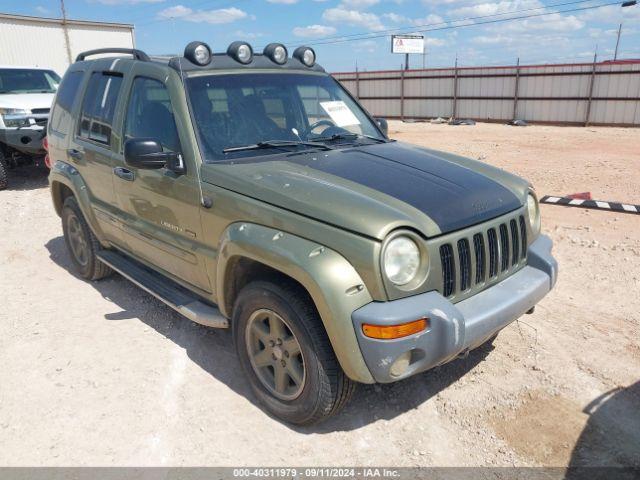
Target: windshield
274,111
23,80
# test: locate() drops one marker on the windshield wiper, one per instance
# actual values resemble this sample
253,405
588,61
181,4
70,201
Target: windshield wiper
348,136
276,144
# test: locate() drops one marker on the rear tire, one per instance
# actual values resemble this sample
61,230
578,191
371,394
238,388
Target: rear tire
285,315
81,243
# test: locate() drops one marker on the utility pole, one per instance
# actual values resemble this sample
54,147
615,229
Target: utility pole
65,31
615,55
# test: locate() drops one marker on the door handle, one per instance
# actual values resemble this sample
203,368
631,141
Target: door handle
124,174
75,154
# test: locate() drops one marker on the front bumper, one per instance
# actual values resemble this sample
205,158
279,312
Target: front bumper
453,328
27,140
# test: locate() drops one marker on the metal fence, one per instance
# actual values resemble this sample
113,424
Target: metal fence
606,93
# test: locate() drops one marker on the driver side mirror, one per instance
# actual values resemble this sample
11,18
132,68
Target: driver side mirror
383,125
147,153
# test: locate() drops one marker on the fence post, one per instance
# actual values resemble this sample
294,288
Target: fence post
591,82
402,95
515,94
357,83
455,91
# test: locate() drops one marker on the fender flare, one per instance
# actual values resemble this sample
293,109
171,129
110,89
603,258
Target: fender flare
68,175
333,284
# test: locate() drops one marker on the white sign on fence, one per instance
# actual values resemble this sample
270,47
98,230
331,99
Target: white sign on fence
407,44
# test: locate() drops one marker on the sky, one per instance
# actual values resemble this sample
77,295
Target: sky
346,33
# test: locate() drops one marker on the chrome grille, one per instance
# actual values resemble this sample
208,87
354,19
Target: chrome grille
480,256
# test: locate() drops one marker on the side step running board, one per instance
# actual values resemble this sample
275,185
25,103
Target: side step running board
165,290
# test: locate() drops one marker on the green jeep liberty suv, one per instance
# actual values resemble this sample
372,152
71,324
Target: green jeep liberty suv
253,192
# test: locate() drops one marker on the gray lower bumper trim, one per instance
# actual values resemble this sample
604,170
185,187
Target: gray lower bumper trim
454,328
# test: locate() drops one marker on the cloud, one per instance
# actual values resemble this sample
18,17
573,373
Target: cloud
353,18
395,18
431,19
127,2
216,17
286,2
359,4
42,10
314,31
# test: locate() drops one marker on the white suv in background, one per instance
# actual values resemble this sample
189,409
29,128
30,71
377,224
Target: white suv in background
26,94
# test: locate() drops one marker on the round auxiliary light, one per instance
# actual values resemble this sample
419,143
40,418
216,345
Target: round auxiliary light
276,52
198,53
306,55
241,52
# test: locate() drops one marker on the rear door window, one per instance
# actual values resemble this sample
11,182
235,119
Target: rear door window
99,106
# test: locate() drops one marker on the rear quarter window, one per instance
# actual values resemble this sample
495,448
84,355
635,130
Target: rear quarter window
65,99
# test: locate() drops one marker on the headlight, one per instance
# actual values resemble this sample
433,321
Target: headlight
534,212
14,117
401,260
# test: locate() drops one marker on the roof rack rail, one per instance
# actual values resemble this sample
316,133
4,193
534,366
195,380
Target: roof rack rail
137,54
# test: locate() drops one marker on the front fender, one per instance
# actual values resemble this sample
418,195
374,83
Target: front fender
332,282
64,174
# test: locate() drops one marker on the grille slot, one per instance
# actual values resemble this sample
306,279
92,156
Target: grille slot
523,237
39,111
478,249
464,255
448,270
515,257
504,246
493,252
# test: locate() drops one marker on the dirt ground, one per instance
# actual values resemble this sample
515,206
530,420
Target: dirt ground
103,374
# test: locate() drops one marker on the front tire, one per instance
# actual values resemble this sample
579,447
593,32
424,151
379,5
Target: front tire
81,243
286,354
4,172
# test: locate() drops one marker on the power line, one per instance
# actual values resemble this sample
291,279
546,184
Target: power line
414,27
451,27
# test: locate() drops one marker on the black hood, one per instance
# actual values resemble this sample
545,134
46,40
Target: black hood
374,189
453,196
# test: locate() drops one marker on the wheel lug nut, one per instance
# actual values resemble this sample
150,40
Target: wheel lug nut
286,354
283,363
272,343
273,355
279,342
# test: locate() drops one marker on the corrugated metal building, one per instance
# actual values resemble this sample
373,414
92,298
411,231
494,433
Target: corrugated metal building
54,43
606,93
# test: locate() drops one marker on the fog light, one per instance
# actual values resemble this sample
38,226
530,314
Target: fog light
400,365
389,332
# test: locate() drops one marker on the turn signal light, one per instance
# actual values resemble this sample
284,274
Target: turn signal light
389,332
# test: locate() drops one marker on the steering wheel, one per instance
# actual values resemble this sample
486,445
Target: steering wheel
315,125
